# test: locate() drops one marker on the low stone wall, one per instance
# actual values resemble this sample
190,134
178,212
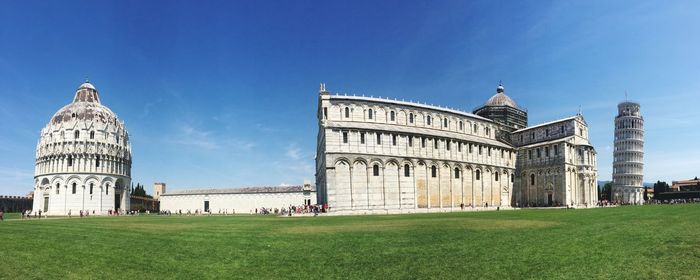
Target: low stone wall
139,203
15,203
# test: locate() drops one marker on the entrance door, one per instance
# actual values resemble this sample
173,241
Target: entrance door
117,201
549,199
206,206
46,204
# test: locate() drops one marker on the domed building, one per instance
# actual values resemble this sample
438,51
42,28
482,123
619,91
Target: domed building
83,159
502,109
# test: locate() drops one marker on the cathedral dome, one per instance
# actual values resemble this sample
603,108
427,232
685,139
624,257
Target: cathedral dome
500,98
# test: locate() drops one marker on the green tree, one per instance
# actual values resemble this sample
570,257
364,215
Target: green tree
661,187
139,190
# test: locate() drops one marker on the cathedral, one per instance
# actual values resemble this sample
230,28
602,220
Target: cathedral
83,159
378,155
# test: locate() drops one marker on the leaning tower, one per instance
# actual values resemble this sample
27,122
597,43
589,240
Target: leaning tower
628,163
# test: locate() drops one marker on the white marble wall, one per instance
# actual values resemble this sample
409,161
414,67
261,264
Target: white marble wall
349,148
241,203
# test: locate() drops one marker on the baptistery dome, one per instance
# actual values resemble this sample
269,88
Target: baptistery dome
83,159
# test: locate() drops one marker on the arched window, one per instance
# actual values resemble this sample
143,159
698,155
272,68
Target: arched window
433,171
393,116
406,171
478,174
375,170
91,185
58,188
370,114
461,125
456,173
77,134
495,176
107,189
73,188
532,179
117,138
92,135
476,128
70,160
410,118
347,112
97,161
428,120
512,178
444,122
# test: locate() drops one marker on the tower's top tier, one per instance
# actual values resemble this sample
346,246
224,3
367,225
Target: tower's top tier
628,108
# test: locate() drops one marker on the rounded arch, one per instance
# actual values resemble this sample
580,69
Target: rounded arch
393,162
120,184
107,180
45,181
409,162
57,179
401,117
91,180
359,160
378,161
341,160
74,180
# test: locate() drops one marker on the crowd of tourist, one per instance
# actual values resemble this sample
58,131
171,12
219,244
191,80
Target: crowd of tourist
674,201
314,209
293,210
607,203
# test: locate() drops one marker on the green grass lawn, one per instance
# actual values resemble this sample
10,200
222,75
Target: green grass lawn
657,242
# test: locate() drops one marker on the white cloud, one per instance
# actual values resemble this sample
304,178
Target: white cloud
191,136
293,152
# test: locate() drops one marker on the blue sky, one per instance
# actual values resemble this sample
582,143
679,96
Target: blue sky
223,93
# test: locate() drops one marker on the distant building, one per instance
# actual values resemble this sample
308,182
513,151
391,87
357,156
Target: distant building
686,185
238,200
83,159
158,190
628,158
